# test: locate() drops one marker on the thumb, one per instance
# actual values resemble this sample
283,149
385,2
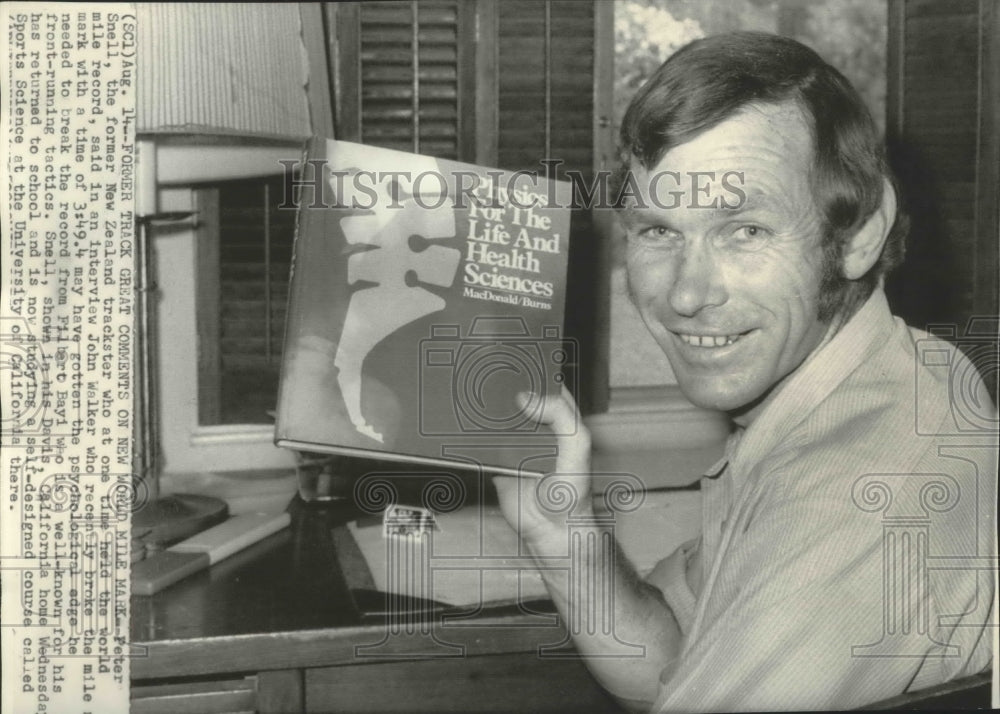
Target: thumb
560,414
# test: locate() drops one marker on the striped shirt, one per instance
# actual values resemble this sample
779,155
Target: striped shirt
847,551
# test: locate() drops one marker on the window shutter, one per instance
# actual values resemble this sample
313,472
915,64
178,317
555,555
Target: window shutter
505,83
413,71
546,105
546,85
255,249
943,109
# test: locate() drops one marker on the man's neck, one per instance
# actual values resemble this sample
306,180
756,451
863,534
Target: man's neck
747,415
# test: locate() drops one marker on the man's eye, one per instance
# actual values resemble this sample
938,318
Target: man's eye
659,236
751,234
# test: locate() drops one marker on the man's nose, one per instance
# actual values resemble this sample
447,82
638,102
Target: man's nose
698,283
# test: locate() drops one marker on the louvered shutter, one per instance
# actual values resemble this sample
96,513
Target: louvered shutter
546,84
255,248
406,74
546,110
944,122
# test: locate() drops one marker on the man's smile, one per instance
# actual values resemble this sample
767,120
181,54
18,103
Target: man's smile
709,340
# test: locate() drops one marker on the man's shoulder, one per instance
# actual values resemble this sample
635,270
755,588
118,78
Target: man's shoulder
918,380
914,397
950,395
874,409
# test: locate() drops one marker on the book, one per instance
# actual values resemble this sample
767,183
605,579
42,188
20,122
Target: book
425,295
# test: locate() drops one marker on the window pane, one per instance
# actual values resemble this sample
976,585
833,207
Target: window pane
850,34
254,258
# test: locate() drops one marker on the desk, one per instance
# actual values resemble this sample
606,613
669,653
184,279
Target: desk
275,629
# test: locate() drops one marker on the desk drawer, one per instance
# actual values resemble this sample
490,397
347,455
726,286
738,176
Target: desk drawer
232,696
509,682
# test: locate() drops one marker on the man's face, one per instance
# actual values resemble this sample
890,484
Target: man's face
730,293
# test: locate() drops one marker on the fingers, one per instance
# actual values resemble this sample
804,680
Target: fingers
568,396
559,413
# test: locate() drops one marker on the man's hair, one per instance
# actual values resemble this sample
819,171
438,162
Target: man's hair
709,80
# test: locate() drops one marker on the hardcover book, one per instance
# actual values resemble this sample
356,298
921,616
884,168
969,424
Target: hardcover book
425,295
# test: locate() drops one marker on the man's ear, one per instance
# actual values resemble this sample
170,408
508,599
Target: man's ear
864,249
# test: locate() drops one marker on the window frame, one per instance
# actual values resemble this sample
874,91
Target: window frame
183,166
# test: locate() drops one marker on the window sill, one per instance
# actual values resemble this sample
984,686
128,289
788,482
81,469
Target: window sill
232,434
654,418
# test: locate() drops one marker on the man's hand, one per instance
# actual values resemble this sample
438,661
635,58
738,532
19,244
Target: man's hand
528,502
620,624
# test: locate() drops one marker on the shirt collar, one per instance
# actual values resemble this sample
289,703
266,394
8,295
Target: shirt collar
815,379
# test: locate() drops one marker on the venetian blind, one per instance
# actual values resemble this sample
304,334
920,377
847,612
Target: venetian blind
255,250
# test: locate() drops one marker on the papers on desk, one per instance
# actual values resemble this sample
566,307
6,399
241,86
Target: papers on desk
473,558
472,555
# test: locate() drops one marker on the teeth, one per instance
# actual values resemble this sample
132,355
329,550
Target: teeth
708,340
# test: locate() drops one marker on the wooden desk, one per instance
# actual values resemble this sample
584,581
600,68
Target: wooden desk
275,629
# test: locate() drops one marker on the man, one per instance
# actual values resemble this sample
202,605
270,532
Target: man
812,584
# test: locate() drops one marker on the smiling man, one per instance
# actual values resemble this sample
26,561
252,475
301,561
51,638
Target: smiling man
798,593
732,294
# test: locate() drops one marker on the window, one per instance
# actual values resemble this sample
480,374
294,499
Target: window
245,253
506,84
191,178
